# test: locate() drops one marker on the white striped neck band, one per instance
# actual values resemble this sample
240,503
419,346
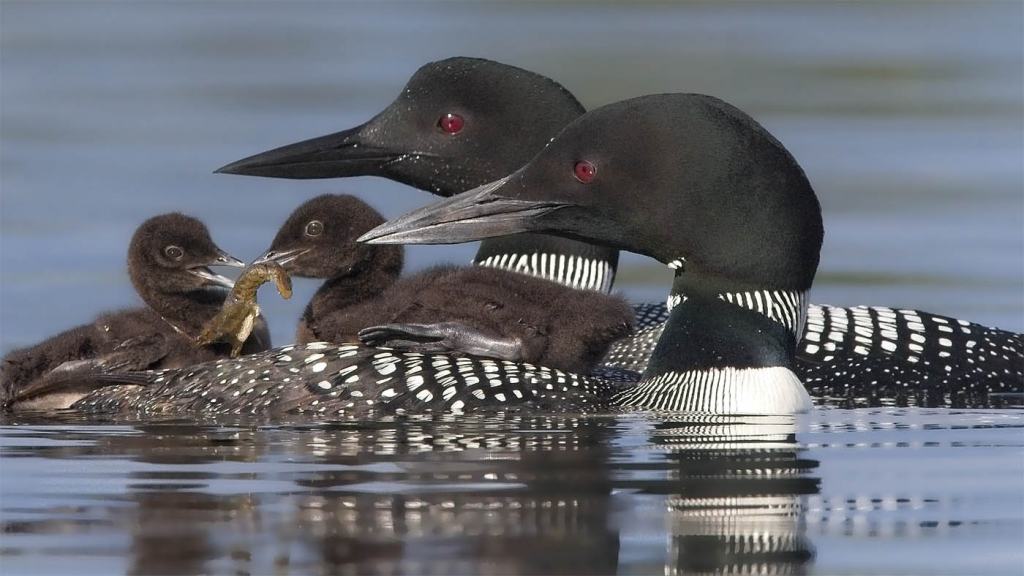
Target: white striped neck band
572,271
787,307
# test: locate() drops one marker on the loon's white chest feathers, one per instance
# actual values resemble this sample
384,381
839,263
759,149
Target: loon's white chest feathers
773,390
572,271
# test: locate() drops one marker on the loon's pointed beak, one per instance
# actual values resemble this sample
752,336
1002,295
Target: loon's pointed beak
341,154
282,258
474,215
225,259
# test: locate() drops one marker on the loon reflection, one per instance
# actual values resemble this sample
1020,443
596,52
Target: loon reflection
743,485
557,495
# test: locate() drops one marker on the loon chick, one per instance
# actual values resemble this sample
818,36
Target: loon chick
671,176
476,310
168,260
461,122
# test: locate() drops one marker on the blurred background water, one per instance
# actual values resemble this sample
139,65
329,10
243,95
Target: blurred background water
907,116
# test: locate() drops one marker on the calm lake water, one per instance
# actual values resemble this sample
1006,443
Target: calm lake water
906,116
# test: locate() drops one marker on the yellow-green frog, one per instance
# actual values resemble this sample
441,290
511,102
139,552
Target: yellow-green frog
235,320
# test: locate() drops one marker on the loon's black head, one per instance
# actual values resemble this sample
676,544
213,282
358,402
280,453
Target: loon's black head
674,176
318,240
172,253
458,123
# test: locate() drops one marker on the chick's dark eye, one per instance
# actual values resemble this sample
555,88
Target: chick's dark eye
314,228
451,123
584,171
174,252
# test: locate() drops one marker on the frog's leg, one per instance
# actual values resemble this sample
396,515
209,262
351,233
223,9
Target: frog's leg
442,337
244,331
209,335
236,346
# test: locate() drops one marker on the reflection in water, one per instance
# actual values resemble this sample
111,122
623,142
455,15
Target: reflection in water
519,495
501,495
741,483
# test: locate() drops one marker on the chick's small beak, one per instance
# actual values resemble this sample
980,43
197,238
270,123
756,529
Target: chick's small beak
281,257
225,259
212,279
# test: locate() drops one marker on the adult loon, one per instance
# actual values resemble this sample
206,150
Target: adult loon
726,260
462,122
476,310
704,185
168,260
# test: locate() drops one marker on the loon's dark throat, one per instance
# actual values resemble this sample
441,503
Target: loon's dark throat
738,345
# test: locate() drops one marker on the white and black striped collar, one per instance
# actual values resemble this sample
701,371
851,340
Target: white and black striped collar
573,271
787,307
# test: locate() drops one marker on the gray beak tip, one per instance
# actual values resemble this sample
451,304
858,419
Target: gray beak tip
225,259
238,167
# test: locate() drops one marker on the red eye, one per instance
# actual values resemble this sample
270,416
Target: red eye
584,171
451,123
